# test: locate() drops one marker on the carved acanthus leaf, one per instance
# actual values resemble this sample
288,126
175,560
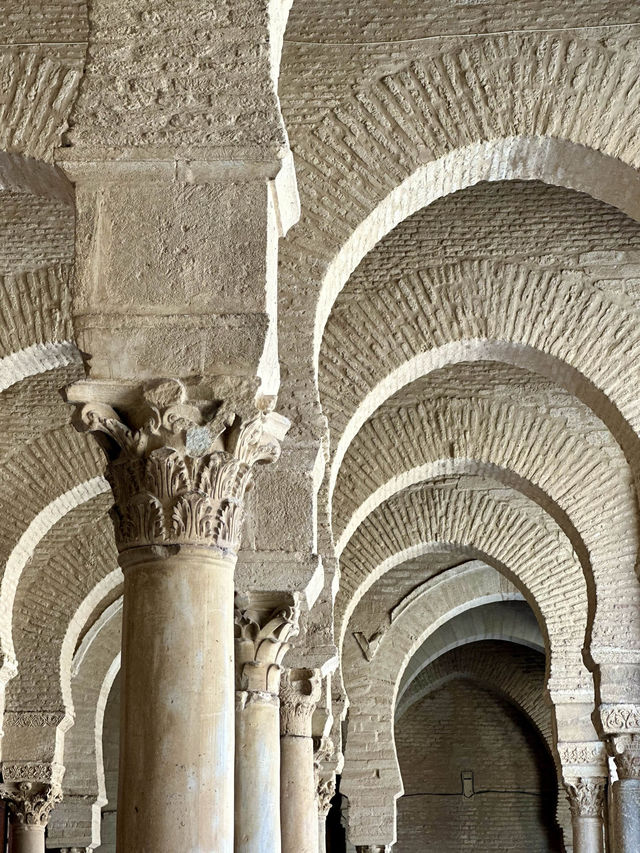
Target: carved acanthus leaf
626,753
326,791
262,634
299,694
179,470
586,796
31,802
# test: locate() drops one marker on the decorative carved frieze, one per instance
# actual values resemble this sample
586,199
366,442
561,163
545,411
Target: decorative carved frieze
583,759
299,695
32,771
626,754
263,628
179,469
373,848
586,796
31,802
620,718
32,719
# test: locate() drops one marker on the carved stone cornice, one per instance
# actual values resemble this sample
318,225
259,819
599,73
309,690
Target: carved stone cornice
31,803
264,624
179,469
626,754
586,796
299,694
618,719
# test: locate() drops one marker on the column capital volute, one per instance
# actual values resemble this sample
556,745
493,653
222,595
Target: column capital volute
625,749
586,796
265,622
179,465
31,803
300,691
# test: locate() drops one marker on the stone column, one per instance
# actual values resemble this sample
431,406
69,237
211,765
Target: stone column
30,805
264,624
586,799
326,791
325,785
299,694
179,469
625,799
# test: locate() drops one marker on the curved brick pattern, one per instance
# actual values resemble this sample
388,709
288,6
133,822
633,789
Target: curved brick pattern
458,518
74,556
38,88
438,316
371,775
404,444
516,672
33,405
35,307
505,621
381,127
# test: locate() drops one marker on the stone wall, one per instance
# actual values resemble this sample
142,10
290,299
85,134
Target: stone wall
486,735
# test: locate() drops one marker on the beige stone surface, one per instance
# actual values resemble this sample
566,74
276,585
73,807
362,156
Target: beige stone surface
416,224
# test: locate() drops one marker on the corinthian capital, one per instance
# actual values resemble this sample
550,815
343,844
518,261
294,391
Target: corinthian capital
626,754
179,468
586,796
265,622
299,695
326,791
31,803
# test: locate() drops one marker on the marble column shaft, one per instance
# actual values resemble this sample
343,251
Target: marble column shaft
625,794
177,723
326,789
262,631
586,800
299,695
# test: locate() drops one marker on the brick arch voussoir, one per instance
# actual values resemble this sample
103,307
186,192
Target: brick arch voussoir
422,521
